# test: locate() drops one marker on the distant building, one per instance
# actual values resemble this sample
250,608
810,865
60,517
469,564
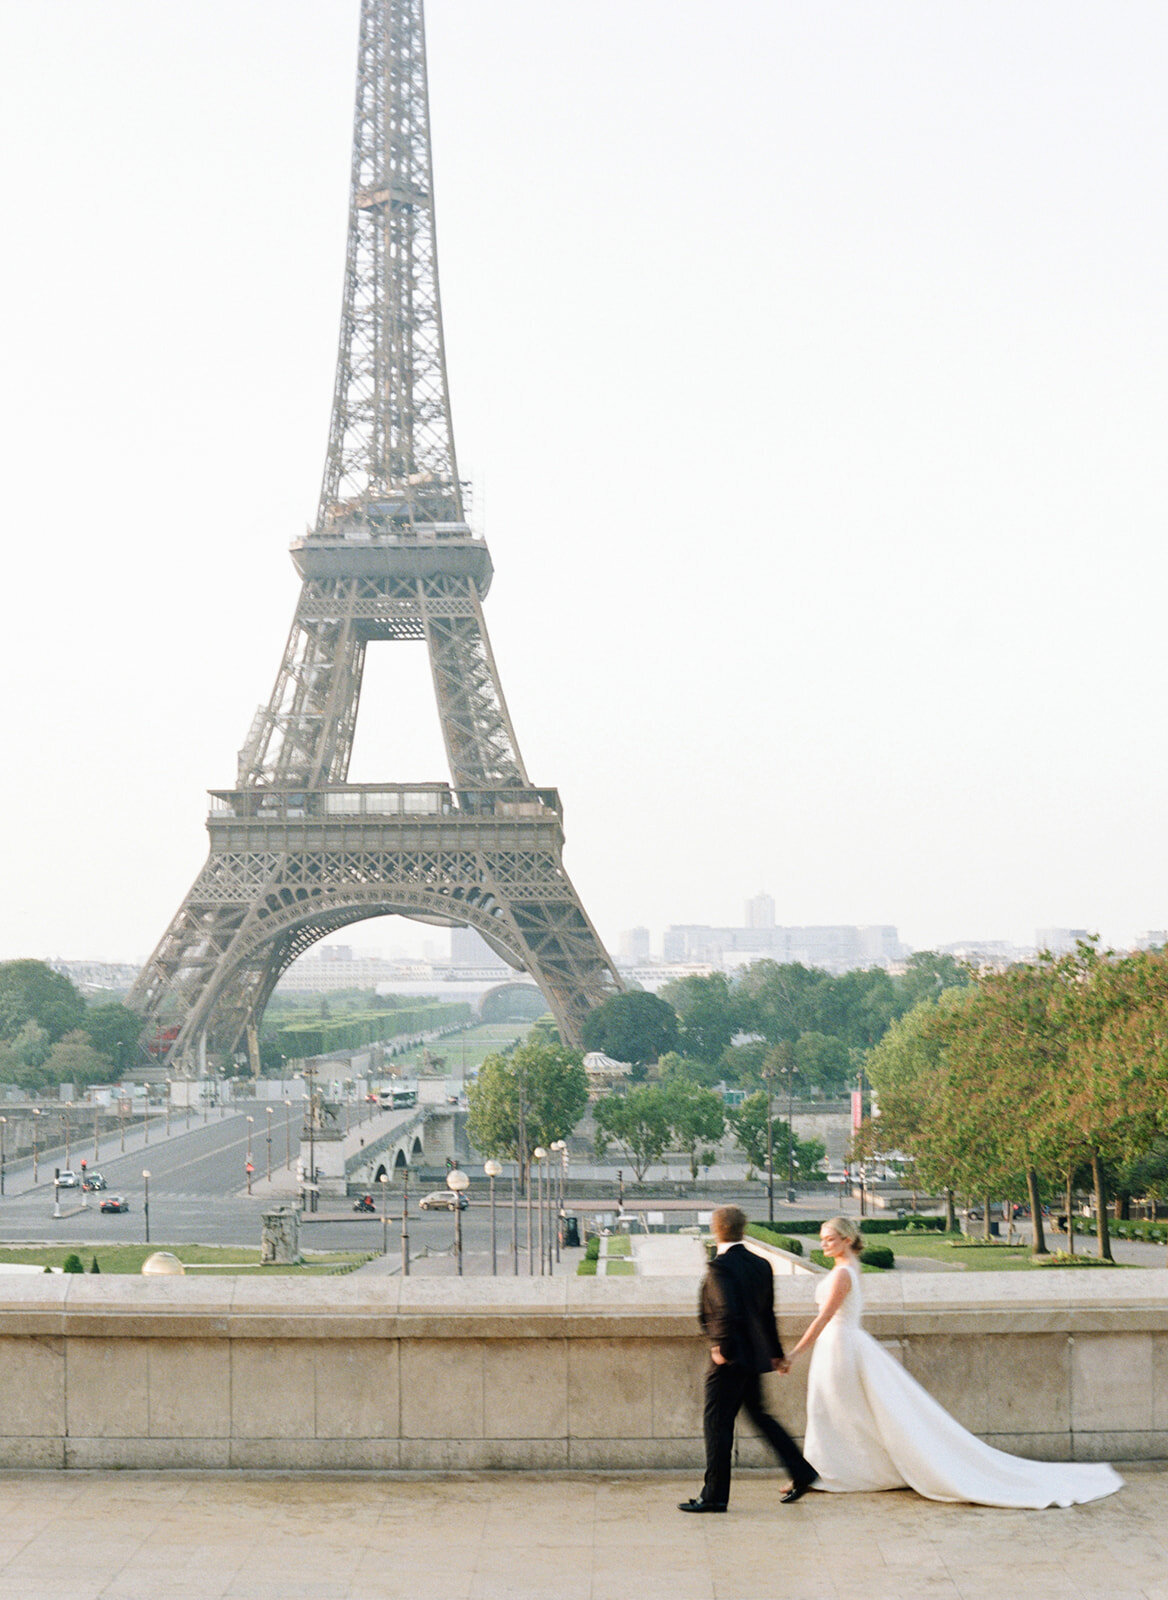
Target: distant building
113,975
332,967
468,948
836,949
634,945
997,954
760,912
1060,941
1154,939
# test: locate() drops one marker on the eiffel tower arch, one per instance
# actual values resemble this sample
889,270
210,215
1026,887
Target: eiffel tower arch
296,851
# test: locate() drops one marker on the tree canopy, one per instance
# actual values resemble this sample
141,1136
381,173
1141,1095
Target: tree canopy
1030,1074
533,1096
634,1026
49,1036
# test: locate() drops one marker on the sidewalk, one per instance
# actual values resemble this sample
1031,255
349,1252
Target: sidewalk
516,1536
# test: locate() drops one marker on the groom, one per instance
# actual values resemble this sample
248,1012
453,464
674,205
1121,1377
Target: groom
737,1315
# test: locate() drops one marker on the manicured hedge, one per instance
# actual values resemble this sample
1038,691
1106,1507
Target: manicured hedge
868,1224
1149,1232
873,1255
321,1035
781,1241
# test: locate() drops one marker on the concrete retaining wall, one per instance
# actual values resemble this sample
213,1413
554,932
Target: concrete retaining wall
366,1372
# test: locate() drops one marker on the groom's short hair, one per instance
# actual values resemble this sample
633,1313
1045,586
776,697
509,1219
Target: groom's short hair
729,1223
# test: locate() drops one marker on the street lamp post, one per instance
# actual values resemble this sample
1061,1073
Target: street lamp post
310,1074
250,1121
146,1200
562,1149
270,1110
540,1155
405,1240
383,1180
492,1170
457,1182
515,1220
768,1075
36,1169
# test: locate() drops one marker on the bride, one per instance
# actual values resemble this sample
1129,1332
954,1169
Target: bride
871,1426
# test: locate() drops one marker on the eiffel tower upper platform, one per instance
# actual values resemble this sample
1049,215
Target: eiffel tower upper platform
296,850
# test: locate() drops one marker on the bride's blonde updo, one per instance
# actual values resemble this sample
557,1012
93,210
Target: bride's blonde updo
848,1229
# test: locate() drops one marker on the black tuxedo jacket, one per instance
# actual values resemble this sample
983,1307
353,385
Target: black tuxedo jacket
737,1309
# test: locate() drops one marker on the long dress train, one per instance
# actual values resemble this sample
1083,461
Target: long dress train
870,1425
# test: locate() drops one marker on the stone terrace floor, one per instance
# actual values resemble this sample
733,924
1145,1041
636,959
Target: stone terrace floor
515,1536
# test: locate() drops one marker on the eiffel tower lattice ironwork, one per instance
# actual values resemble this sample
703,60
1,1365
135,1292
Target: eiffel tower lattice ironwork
296,851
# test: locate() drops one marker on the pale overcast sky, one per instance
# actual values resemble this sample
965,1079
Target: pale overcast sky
809,360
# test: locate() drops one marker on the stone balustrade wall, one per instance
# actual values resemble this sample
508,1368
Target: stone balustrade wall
369,1372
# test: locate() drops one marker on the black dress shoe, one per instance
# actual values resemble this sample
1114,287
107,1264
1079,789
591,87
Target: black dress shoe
700,1505
797,1491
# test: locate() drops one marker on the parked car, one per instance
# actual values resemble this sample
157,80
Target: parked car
114,1202
68,1179
443,1200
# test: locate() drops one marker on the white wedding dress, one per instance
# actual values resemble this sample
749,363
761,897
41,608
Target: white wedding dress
871,1426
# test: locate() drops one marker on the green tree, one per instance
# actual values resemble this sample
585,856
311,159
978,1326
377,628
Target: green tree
637,1123
673,1066
635,1026
115,1031
697,1117
534,1096
74,1060
823,1061
928,974
804,1157
907,1071
708,1014
32,991
779,1001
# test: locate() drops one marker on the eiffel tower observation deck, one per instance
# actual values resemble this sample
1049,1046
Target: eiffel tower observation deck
296,850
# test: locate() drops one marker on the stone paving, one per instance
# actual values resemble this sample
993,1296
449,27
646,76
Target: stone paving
518,1536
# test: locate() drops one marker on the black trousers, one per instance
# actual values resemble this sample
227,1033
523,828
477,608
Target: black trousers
729,1390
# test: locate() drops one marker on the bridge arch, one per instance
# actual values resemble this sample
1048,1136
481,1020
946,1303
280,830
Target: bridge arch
520,1000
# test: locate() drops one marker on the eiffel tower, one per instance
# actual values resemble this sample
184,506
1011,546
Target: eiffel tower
296,850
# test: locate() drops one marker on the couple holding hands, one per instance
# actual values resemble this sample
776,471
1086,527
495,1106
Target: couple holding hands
869,1424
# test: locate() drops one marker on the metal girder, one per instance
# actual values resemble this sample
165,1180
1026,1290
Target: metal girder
296,852
391,442
249,914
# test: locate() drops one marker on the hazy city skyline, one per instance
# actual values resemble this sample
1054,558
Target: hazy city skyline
808,364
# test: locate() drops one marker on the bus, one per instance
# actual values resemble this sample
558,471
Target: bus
397,1099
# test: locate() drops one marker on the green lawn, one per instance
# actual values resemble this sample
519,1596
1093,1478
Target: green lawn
204,1259
619,1269
619,1244
463,1052
972,1256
